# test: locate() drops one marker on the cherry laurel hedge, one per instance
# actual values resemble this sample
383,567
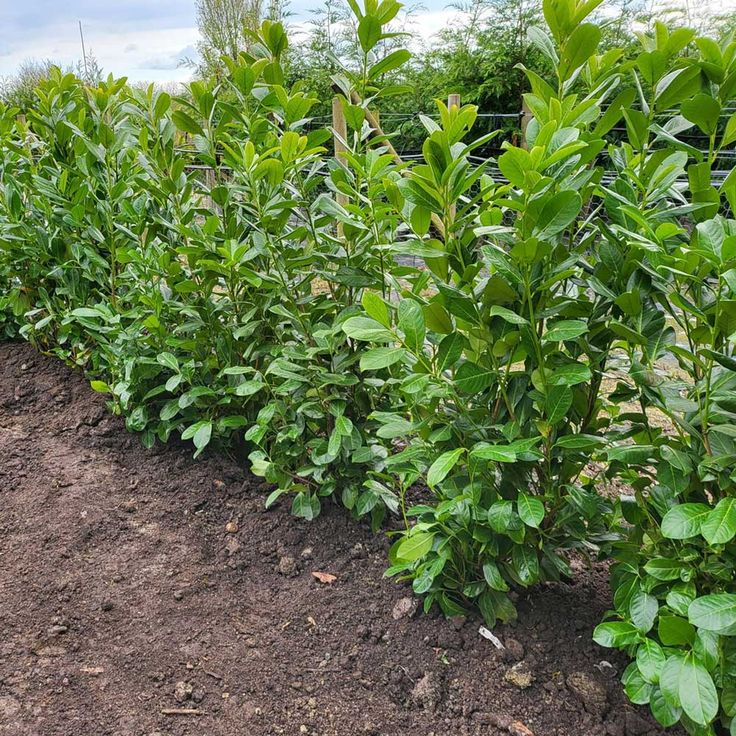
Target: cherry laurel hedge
221,276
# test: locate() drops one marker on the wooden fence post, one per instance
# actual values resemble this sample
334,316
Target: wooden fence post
526,116
340,128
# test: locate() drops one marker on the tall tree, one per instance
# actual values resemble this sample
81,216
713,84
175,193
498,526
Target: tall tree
225,27
18,90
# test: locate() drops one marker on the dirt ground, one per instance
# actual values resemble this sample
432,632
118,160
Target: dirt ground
143,593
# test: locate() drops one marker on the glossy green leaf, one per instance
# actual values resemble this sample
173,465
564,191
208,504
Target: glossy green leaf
697,691
684,521
443,465
719,526
530,510
716,612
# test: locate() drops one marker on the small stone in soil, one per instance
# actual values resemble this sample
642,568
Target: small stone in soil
287,566
404,608
519,675
182,691
517,728
606,668
357,551
492,719
232,546
590,693
427,693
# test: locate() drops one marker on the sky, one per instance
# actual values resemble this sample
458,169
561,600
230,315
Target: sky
144,40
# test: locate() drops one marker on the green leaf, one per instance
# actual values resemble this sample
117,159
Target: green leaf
248,388
514,164
443,465
369,32
377,358
472,379
698,695
650,659
500,515
525,563
414,546
506,314
100,387
617,634
449,351
389,63
637,688
168,360
664,568
343,426
530,510
579,47
579,442
707,648
677,86
666,714
704,111
557,403
728,700
566,329
498,453
570,374
557,213
680,597
376,308
675,631
493,577
200,433
186,123
411,323
684,521
719,526
643,610
306,506
716,612
365,328
669,680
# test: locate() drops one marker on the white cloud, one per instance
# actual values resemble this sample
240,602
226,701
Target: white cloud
139,54
145,39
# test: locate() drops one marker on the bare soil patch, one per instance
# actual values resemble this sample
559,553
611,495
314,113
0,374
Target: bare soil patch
143,593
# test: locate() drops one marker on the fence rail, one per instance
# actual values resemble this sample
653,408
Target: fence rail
339,127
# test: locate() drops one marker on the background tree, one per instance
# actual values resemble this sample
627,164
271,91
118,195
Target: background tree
17,90
89,69
226,27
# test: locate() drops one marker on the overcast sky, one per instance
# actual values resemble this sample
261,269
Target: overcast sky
140,39
147,39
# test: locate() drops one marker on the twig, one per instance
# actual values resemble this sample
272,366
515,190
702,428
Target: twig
182,712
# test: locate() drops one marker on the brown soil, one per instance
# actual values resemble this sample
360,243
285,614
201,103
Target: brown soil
134,581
